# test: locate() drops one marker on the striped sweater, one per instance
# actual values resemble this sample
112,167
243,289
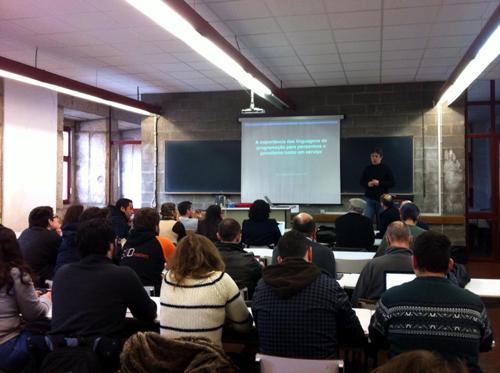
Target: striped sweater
199,307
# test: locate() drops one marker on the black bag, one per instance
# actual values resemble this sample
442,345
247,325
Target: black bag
72,359
326,235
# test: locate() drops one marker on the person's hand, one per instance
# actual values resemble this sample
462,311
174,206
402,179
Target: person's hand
59,231
198,214
262,263
129,223
375,182
370,184
48,295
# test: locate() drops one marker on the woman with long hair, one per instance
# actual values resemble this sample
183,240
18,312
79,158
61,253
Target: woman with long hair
170,227
17,296
258,229
197,295
208,226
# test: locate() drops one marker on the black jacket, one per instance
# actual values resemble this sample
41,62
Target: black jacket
120,221
40,247
209,231
68,252
354,230
387,217
260,232
383,174
243,268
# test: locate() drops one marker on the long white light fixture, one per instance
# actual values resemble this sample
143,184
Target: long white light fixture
71,92
171,21
488,52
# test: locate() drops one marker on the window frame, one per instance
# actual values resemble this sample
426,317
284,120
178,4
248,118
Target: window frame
67,160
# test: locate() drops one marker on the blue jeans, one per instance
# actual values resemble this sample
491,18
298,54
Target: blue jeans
14,354
373,208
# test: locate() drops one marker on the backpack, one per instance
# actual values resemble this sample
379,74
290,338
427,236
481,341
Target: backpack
326,235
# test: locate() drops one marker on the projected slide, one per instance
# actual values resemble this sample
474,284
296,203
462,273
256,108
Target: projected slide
291,159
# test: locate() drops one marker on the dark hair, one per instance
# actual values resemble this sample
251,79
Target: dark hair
39,216
421,361
378,151
398,231
259,210
212,215
229,229
94,236
410,211
146,219
123,202
305,226
293,244
11,257
196,257
183,207
72,214
94,213
432,252
387,200
168,211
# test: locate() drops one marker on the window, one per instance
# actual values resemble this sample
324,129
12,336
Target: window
66,189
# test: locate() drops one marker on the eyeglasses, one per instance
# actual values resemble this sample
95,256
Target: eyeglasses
55,217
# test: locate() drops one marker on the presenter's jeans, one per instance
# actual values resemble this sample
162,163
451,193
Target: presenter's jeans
373,208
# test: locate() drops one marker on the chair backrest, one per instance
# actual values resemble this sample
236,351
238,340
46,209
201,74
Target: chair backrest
275,364
350,265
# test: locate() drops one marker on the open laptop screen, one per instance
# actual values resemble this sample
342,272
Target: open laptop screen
393,278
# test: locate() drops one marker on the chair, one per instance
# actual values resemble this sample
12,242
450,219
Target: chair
350,265
244,293
275,364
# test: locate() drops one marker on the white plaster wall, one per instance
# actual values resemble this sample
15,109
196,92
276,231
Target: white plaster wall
29,152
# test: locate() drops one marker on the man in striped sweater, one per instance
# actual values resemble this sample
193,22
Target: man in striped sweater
430,312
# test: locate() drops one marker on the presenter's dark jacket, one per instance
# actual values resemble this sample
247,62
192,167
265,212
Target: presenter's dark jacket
322,256
303,313
90,298
386,218
40,246
120,221
68,252
434,314
383,174
354,230
241,266
260,232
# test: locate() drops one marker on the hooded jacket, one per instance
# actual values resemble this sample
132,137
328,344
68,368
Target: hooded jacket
68,252
120,221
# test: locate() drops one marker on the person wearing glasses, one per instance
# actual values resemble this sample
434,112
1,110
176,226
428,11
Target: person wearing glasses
40,242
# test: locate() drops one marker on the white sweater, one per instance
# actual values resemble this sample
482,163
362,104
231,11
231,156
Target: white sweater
199,307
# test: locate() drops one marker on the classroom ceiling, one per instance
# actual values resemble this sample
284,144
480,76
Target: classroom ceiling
295,43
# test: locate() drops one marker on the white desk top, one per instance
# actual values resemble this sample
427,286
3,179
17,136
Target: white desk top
484,287
353,255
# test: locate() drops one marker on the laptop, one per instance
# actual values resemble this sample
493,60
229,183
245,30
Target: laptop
396,278
273,205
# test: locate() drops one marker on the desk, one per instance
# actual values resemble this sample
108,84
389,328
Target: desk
353,255
485,288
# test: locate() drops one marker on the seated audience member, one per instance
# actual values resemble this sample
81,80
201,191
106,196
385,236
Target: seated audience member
354,229
121,215
409,214
421,361
322,255
170,228
17,297
389,214
431,312
420,223
397,258
40,243
146,252
299,311
186,216
66,253
91,297
259,230
197,296
240,265
208,225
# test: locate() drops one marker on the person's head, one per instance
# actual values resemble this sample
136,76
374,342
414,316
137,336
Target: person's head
96,236
195,257
213,215
259,210
126,206
294,244
357,205
229,231
72,214
387,201
147,219
398,234
43,216
93,213
405,202
431,254
409,213
168,211
421,361
11,257
376,156
305,224
185,208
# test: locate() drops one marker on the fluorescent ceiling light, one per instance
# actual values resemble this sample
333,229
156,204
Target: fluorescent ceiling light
488,52
171,21
71,92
